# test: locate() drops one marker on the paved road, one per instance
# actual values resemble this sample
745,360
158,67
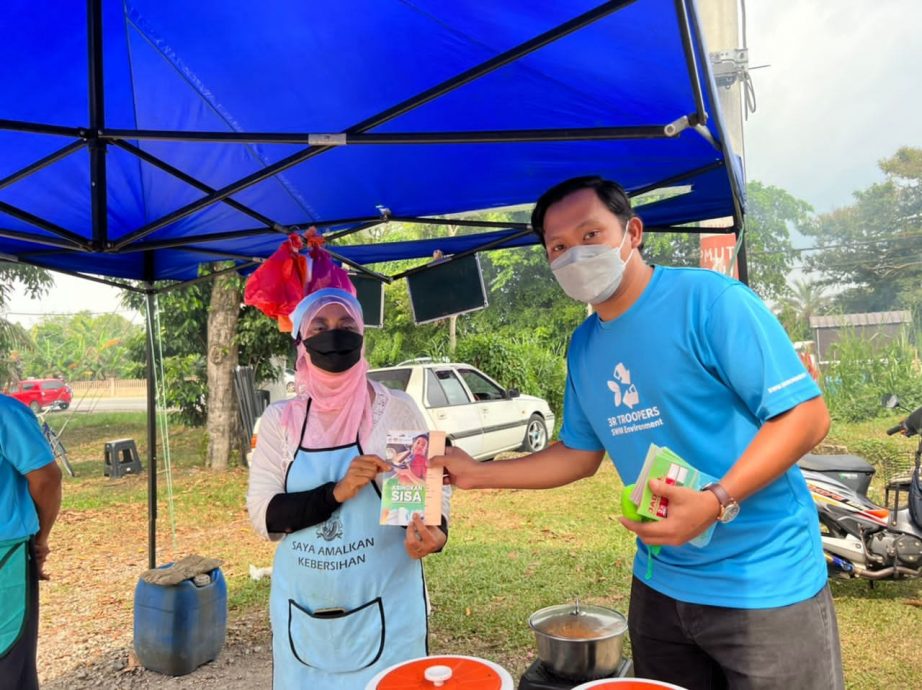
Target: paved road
89,404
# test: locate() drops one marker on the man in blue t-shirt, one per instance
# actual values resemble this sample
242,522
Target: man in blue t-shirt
693,361
30,497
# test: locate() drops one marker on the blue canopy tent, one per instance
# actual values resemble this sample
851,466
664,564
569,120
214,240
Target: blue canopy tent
142,138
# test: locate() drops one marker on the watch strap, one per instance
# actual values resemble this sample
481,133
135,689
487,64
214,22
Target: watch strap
729,508
723,497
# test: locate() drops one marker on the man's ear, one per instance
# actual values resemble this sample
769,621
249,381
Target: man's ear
635,229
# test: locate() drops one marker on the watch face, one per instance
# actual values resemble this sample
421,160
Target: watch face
730,511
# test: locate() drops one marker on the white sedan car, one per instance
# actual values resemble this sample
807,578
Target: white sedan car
478,414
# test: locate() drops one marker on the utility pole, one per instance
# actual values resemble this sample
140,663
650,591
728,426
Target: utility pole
720,22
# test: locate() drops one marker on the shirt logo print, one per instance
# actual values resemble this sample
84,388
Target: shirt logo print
625,392
331,529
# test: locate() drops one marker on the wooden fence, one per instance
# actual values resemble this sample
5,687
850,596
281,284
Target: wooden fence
110,388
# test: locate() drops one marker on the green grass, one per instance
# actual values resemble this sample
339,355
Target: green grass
510,553
84,436
513,552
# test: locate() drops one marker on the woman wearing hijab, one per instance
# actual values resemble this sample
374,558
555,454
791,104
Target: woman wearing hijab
339,578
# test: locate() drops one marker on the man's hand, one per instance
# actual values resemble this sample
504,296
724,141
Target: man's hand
554,466
461,469
362,470
421,540
690,512
41,555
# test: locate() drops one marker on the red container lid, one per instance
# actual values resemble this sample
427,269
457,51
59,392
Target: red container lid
446,672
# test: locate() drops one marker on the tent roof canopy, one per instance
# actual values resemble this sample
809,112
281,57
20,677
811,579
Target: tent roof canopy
140,138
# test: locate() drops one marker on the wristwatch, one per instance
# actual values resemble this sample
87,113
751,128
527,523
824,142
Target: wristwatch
729,508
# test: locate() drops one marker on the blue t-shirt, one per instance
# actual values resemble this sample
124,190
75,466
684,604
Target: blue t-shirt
23,449
698,364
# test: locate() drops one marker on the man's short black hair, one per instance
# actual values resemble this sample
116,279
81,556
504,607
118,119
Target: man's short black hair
610,193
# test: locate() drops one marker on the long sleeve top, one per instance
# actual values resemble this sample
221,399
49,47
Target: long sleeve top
272,517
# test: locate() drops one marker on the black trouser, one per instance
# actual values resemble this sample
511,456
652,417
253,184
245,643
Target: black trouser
700,647
18,667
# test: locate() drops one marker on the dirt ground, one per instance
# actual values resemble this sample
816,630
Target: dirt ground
245,663
86,616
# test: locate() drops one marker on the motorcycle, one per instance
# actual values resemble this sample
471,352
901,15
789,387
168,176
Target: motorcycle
860,538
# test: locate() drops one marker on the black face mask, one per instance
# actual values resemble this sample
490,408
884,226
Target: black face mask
335,350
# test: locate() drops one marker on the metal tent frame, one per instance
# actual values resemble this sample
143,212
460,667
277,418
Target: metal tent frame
99,140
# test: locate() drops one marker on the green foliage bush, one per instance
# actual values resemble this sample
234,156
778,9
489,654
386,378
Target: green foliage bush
186,388
864,371
522,362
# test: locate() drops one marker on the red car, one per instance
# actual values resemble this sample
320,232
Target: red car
41,393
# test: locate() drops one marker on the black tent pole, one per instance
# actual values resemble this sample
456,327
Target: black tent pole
42,240
495,244
42,163
511,136
691,62
741,262
41,128
736,192
151,433
97,146
198,184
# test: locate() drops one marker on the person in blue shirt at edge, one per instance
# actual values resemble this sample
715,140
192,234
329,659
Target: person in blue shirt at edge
30,497
692,360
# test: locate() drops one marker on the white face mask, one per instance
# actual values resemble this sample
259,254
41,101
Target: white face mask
590,273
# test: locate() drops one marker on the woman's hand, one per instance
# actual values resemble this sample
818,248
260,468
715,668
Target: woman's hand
362,470
422,540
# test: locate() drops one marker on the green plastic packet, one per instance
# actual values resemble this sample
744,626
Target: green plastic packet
629,510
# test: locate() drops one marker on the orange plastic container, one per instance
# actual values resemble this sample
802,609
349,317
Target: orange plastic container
446,672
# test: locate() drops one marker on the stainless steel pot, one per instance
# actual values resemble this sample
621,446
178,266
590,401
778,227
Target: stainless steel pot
579,642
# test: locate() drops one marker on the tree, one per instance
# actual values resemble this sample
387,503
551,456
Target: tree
84,347
13,338
525,298
14,342
771,212
805,300
401,338
184,316
223,425
871,247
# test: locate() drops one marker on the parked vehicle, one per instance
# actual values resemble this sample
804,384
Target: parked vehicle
861,538
41,393
479,415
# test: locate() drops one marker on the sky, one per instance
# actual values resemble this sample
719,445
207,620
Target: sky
841,93
69,296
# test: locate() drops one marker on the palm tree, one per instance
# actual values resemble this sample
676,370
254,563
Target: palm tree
806,300
12,336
